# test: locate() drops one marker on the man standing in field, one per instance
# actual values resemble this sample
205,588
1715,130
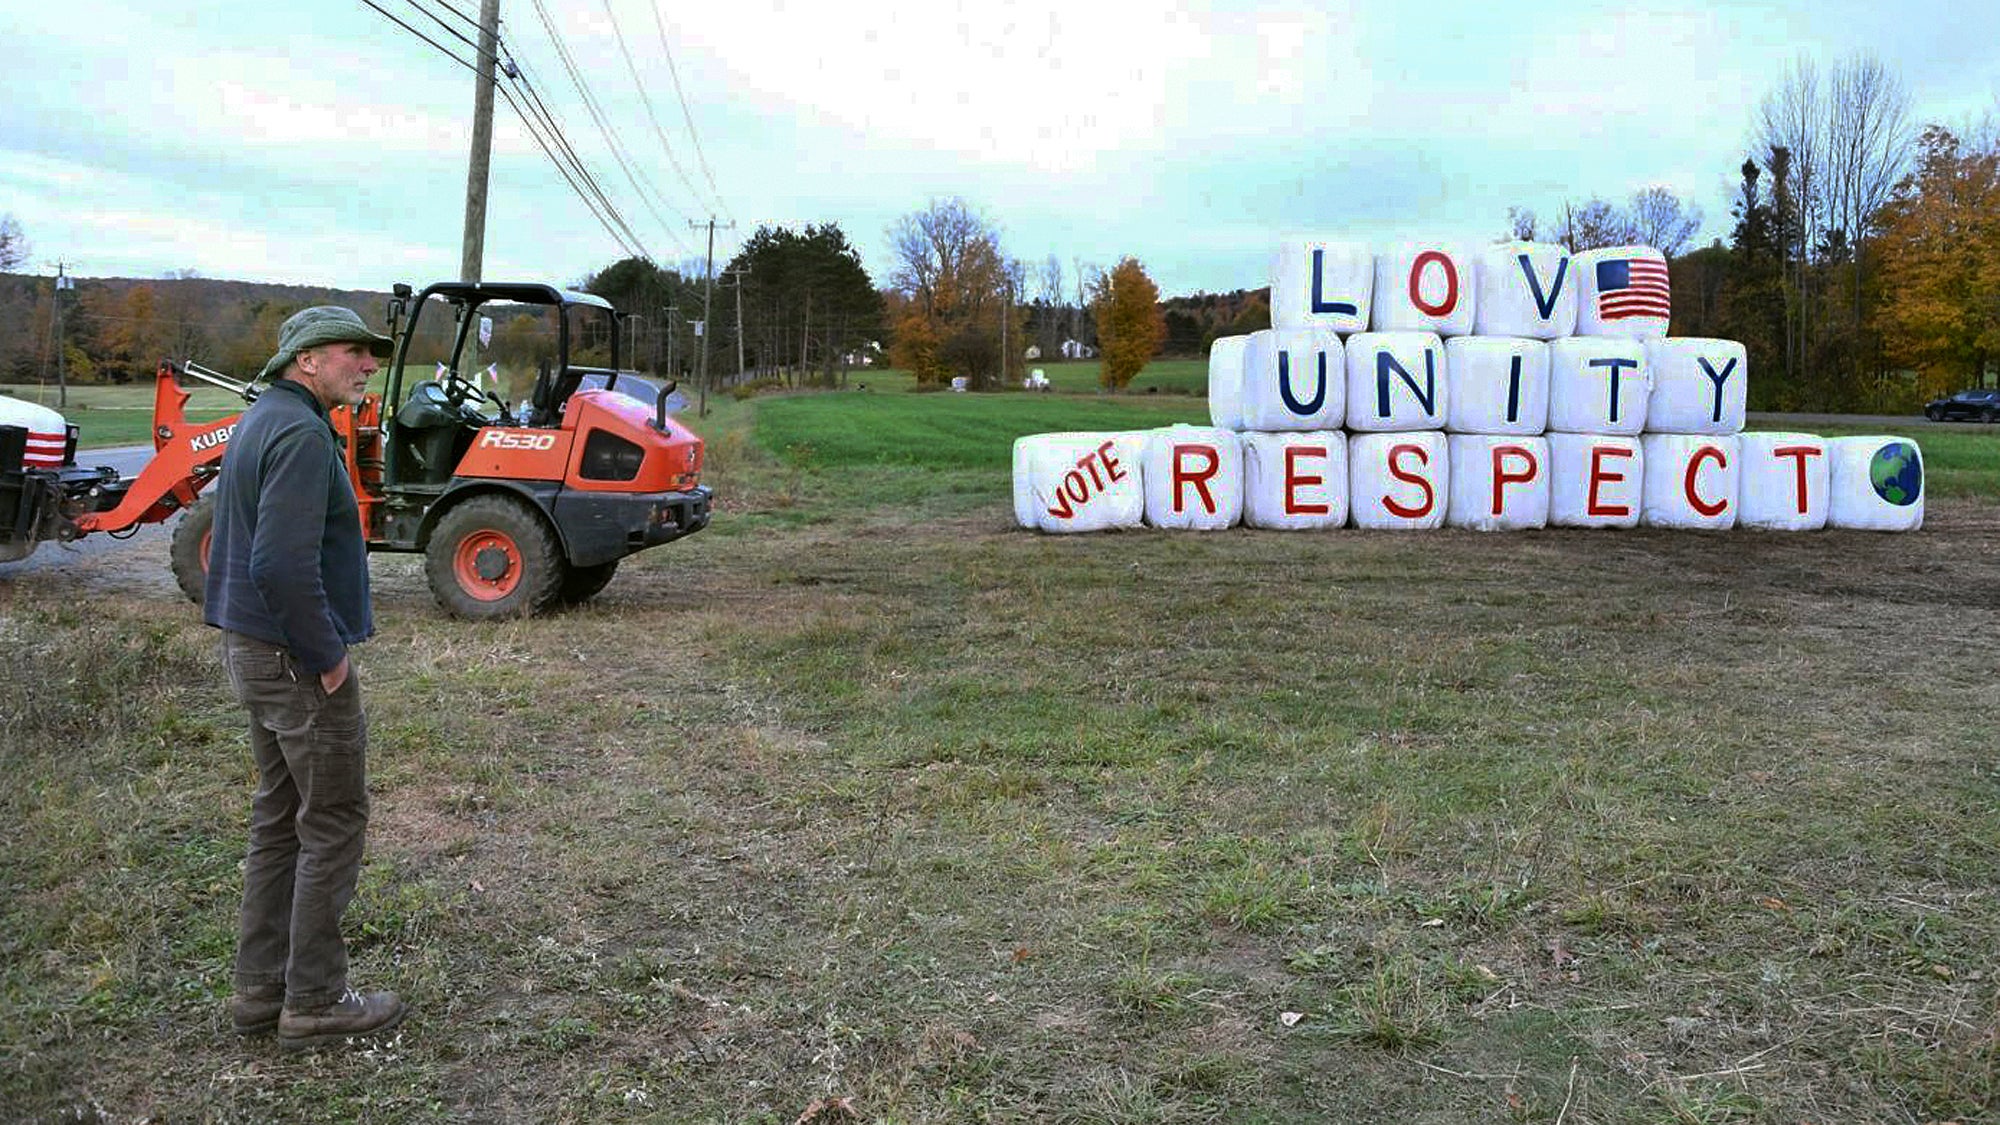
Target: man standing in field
288,587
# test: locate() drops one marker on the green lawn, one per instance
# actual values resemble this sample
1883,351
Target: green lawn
107,415
864,805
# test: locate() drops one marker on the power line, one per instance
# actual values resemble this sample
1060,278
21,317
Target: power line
525,80
618,150
674,71
613,219
646,100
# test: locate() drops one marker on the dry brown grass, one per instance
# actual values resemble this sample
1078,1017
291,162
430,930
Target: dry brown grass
961,823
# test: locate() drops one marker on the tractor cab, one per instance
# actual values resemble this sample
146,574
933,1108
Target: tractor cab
480,355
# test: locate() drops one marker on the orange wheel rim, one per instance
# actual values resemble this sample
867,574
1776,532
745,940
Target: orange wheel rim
487,565
207,537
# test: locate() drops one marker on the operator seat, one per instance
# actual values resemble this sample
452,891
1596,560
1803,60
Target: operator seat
426,447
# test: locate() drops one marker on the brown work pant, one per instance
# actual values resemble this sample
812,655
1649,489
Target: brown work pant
306,824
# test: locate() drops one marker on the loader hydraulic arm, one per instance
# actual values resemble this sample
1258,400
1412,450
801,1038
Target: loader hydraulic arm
186,455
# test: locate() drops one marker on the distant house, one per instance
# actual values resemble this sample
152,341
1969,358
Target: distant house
1072,349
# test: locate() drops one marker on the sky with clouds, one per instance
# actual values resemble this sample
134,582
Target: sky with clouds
316,142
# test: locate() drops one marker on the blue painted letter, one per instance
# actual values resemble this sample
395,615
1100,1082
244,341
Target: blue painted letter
1718,380
1285,384
1428,395
1319,304
1545,305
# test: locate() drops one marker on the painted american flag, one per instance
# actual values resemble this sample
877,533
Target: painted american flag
1632,287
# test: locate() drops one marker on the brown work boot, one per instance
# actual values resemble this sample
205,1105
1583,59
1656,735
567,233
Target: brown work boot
354,1014
256,1013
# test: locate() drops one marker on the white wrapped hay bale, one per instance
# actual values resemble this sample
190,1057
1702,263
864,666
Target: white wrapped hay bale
1595,480
1525,289
1598,385
1498,482
1623,291
1396,381
1322,284
1398,481
1294,379
1700,386
1691,481
1499,385
1877,483
48,433
1193,478
1423,287
1782,482
1295,481
1225,381
1079,481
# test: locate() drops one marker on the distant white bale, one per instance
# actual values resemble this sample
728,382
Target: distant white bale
1499,482
1525,289
1782,482
1225,381
1323,284
1623,291
48,433
1499,385
1595,480
1079,481
1700,386
1295,481
959,383
1598,385
1194,478
1877,483
1423,287
1398,481
1294,379
1691,481
1396,381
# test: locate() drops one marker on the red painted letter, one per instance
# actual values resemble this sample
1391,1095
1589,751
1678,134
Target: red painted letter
1598,475
1199,480
1395,470
1502,478
1687,482
1798,453
1110,462
1450,301
1294,480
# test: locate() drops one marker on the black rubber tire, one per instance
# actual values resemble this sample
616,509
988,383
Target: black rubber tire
582,583
531,575
1934,415
1990,416
188,556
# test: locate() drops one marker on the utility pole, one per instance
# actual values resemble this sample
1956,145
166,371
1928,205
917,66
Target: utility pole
737,275
64,283
482,142
707,299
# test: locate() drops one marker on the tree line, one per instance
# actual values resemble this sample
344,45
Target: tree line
1862,272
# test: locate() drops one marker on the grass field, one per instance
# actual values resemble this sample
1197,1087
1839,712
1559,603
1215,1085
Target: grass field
106,415
863,805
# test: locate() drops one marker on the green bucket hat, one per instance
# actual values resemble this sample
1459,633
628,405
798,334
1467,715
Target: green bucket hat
322,324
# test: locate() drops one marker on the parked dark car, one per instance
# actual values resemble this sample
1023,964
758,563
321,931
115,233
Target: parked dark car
1965,406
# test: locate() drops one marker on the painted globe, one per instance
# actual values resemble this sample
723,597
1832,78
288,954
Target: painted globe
1897,473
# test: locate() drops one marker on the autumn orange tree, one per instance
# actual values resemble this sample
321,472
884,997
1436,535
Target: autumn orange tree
1941,262
952,296
1130,325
